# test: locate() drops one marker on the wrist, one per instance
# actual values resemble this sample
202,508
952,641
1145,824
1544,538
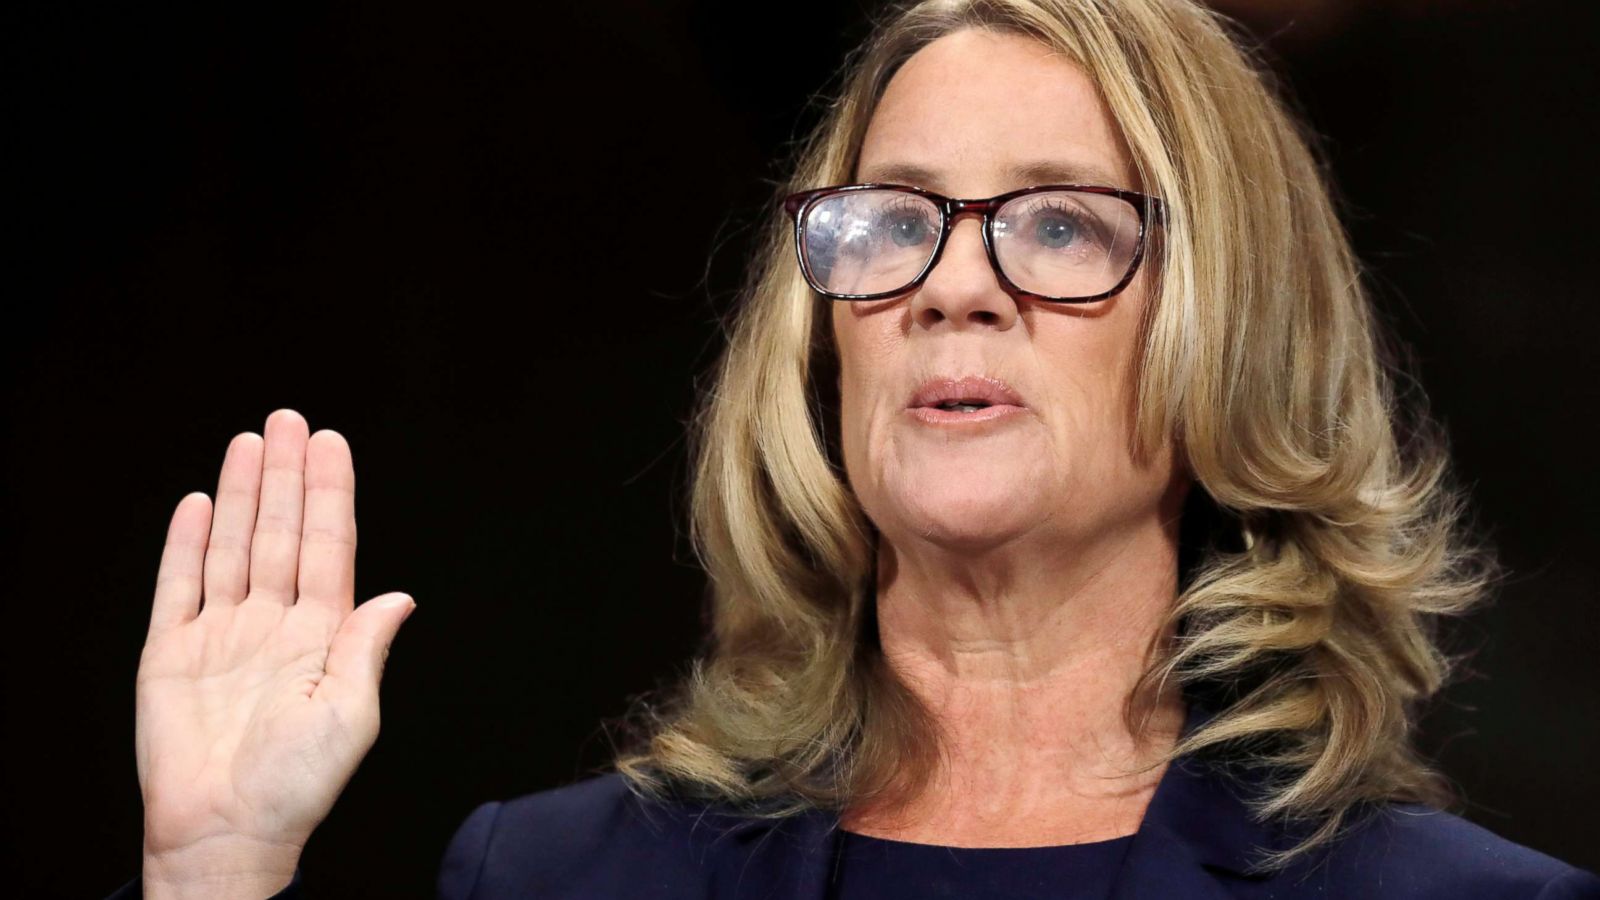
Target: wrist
223,867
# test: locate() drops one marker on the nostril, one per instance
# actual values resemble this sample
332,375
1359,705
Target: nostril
985,316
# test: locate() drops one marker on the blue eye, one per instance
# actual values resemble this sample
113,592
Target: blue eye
1052,223
908,230
1055,232
906,221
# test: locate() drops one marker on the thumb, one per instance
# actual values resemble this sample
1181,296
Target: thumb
359,649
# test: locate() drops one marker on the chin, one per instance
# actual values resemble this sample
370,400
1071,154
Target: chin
971,516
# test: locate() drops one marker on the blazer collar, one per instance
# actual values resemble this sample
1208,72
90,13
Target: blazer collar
1197,833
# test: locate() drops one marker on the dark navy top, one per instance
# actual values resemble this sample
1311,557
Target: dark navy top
872,868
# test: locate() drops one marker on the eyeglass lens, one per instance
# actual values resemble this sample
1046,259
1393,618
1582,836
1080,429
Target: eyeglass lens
1051,243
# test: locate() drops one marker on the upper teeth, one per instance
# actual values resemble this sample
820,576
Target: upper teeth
962,405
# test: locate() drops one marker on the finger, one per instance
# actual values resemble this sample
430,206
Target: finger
359,650
177,597
275,545
328,539
228,552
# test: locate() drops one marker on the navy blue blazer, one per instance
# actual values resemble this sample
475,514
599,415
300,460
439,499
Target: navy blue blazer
596,840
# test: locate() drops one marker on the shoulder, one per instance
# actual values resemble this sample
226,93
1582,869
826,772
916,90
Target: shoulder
594,838
1406,850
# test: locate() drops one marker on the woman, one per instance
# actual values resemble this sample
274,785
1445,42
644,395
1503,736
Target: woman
1064,543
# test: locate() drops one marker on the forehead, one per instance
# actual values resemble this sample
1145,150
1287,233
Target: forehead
980,113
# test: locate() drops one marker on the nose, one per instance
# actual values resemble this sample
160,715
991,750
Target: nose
963,288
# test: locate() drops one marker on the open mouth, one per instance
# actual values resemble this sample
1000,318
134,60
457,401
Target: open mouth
963,405
970,399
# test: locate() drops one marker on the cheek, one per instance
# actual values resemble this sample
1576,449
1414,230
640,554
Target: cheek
1088,394
856,391
1093,378
870,354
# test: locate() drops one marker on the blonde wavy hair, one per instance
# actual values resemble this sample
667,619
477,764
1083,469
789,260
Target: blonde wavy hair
1330,537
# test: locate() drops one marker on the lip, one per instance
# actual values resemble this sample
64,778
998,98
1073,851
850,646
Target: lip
1002,400
934,416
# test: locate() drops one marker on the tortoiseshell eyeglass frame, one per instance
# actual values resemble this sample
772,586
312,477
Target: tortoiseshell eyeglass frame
1148,208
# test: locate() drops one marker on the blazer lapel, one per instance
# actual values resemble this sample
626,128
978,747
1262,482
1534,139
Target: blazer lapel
783,859
1161,864
1198,834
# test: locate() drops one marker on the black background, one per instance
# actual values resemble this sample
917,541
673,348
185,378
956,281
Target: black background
490,246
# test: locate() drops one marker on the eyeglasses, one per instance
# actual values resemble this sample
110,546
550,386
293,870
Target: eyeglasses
1064,243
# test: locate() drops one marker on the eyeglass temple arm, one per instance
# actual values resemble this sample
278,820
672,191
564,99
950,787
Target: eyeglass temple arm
1158,209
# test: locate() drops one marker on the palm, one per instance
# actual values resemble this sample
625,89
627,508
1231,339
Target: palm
253,714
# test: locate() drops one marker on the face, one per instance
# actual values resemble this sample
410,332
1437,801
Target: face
973,115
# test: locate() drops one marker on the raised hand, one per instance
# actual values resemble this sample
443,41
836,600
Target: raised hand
256,703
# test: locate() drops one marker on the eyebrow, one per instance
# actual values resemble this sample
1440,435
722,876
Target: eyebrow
1021,175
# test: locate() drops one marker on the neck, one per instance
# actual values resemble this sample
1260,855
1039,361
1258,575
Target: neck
1025,660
